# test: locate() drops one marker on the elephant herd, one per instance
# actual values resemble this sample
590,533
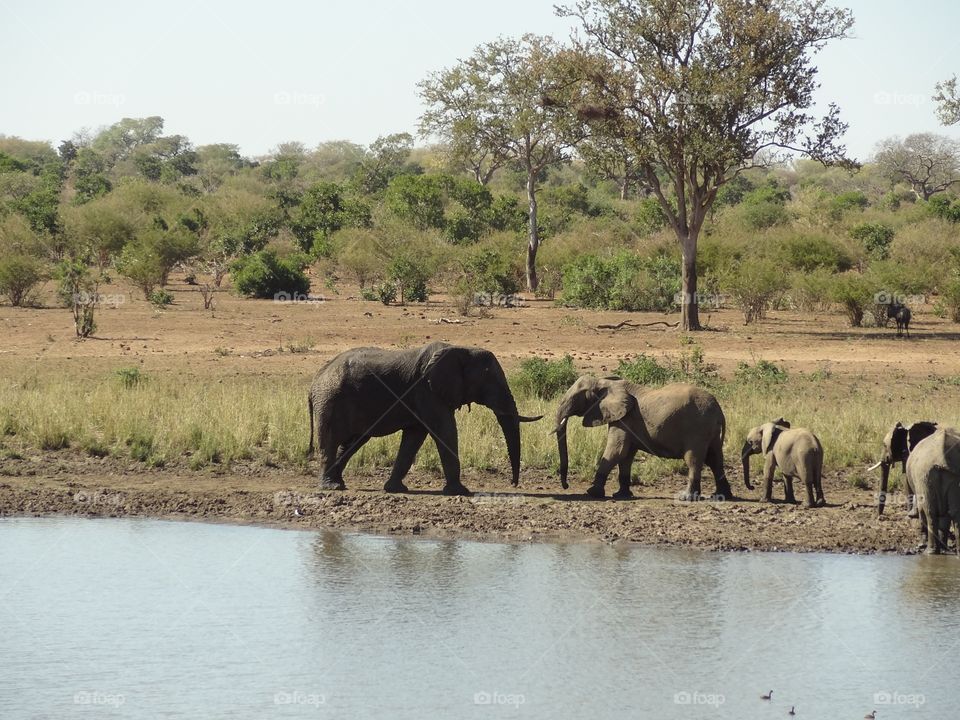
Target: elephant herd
371,392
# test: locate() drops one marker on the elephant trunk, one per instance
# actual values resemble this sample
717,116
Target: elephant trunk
745,457
562,450
564,411
884,479
510,425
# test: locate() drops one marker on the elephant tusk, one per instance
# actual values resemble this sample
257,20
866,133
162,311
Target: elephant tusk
529,418
874,467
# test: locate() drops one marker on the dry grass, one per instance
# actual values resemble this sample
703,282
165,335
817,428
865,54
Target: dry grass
166,418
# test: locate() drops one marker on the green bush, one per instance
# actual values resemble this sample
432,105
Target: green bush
410,278
265,275
160,298
844,202
622,282
811,252
130,377
754,283
876,238
763,372
385,292
811,291
950,296
855,294
645,370
19,277
544,379
765,207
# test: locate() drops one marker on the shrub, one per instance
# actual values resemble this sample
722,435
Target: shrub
130,377
622,282
950,297
385,292
265,275
764,207
763,372
160,298
853,200
812,291
19,277
876,238
410,278
544,379
855,294
645,370
490,271
753,283
649,217
811,252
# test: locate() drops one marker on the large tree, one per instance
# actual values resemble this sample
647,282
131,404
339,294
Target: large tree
506,104
928,163
948,103
699,90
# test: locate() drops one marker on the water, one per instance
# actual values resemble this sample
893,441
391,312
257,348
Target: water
151,619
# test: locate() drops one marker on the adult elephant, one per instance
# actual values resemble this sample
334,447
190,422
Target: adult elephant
796,451
676,421
898,443
369,392
933,470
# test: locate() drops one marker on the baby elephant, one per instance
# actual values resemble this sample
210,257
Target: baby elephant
796,451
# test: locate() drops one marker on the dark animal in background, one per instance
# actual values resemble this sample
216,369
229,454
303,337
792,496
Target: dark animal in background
900,313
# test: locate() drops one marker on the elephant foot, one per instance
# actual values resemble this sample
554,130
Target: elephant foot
809,505
722,497
332,485
690,496
931,549
395,487
596,491
766,499
622,494
913,514
456,489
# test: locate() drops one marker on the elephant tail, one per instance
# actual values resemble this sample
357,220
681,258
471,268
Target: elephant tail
310,407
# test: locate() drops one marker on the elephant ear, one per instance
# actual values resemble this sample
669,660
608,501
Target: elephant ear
918,431
781,422
444,373
614,403
898,442
771,431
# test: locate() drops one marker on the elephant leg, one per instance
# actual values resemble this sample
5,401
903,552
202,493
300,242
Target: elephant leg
443,430
694,472
788,495
411,439
331,475
769,466
624,477
932,531
818,486
613,454
811,498
715,463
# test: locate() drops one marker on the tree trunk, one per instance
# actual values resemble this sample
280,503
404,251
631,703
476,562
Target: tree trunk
533,243
689,307
624,188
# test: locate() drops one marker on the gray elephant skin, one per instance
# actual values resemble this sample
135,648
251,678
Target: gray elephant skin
898,443
933,471
798,454
370,392
676,421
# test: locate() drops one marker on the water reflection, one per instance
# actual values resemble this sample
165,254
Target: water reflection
198,620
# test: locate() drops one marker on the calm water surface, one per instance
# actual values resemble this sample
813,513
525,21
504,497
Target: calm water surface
151,619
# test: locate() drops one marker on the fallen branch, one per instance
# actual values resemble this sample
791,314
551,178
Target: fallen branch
449,321
627,323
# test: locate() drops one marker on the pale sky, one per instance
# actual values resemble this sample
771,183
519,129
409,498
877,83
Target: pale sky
313,71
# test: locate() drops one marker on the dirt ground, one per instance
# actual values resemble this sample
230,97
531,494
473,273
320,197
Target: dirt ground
244,337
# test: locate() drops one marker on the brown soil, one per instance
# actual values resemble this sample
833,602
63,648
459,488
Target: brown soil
242,337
